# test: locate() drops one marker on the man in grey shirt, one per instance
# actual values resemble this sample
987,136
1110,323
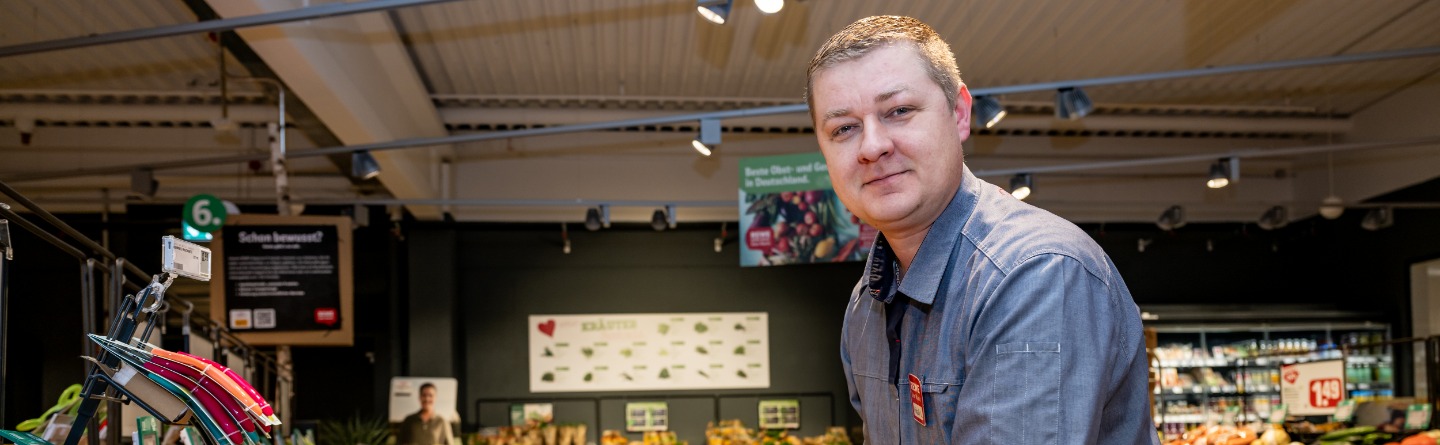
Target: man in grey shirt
980,319
426,427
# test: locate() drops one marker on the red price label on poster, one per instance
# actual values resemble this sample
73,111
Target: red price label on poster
760,238
1313,388
1326,393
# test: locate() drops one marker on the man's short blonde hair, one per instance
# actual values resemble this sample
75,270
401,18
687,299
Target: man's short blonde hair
878,31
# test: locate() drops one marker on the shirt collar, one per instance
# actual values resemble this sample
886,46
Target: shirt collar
922,281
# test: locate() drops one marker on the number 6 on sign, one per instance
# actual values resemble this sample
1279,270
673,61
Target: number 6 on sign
205,213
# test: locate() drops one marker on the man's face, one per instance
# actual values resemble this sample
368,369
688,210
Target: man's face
427,398
890,139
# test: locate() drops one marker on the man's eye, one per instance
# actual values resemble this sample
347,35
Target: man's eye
843,129
901,111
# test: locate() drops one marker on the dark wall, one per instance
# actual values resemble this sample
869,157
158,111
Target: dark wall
1226,264
507,273
45,334
503,273
43,327
493,276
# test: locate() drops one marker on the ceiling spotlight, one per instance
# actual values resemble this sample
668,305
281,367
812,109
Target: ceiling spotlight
709,138
769,6
1223,172
663,218
1378,218
597,217
26,126
700,147
1274,218
224,126
363,165
1071,103
1022,185
716,11
1172,218
1218,178
987,111
1332,207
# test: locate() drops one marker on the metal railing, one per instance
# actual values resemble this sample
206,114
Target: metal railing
102,270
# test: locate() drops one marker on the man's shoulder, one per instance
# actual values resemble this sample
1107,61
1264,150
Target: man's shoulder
1011,232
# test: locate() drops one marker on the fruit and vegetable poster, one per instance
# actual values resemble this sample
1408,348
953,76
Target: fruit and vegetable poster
789,214
649,352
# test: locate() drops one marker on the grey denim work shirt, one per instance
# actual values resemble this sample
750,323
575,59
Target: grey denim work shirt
1015,323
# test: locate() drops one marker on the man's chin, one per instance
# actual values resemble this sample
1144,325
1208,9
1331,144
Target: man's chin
888,213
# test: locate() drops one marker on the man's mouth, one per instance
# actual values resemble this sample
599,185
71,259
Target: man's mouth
884,177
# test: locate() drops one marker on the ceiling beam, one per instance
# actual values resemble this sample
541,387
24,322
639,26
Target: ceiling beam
354,74
397,144
271,18
463,116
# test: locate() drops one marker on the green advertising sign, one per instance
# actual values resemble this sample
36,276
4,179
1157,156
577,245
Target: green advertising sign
788,173
789,214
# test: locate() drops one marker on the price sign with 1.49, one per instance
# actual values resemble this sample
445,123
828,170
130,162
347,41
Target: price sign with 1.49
1313,388
1326,393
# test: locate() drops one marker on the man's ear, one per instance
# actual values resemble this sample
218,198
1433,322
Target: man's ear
962,111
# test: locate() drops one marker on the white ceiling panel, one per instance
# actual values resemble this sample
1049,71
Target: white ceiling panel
495,65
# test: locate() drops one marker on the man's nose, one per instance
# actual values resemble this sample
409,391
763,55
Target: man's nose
875,142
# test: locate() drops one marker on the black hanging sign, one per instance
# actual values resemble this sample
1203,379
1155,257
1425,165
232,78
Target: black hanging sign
285,280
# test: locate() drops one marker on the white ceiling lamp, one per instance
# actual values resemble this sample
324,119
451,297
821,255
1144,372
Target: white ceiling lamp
1022,185
770,6
1332,207
709,138
716,11
987,111
1071,103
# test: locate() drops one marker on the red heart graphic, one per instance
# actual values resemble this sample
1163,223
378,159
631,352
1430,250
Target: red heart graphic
1291,375
548,328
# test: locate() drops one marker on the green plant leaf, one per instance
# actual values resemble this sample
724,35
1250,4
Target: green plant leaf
354,431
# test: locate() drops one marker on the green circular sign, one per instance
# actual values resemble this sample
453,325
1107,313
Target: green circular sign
205,213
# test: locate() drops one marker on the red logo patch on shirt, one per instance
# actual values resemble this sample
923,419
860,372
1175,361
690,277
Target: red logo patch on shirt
917,400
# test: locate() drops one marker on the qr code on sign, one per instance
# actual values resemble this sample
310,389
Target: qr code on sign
264,318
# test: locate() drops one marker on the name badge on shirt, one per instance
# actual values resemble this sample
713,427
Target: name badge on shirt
917,400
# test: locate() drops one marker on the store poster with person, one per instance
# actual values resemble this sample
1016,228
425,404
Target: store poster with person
425,410
789,214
